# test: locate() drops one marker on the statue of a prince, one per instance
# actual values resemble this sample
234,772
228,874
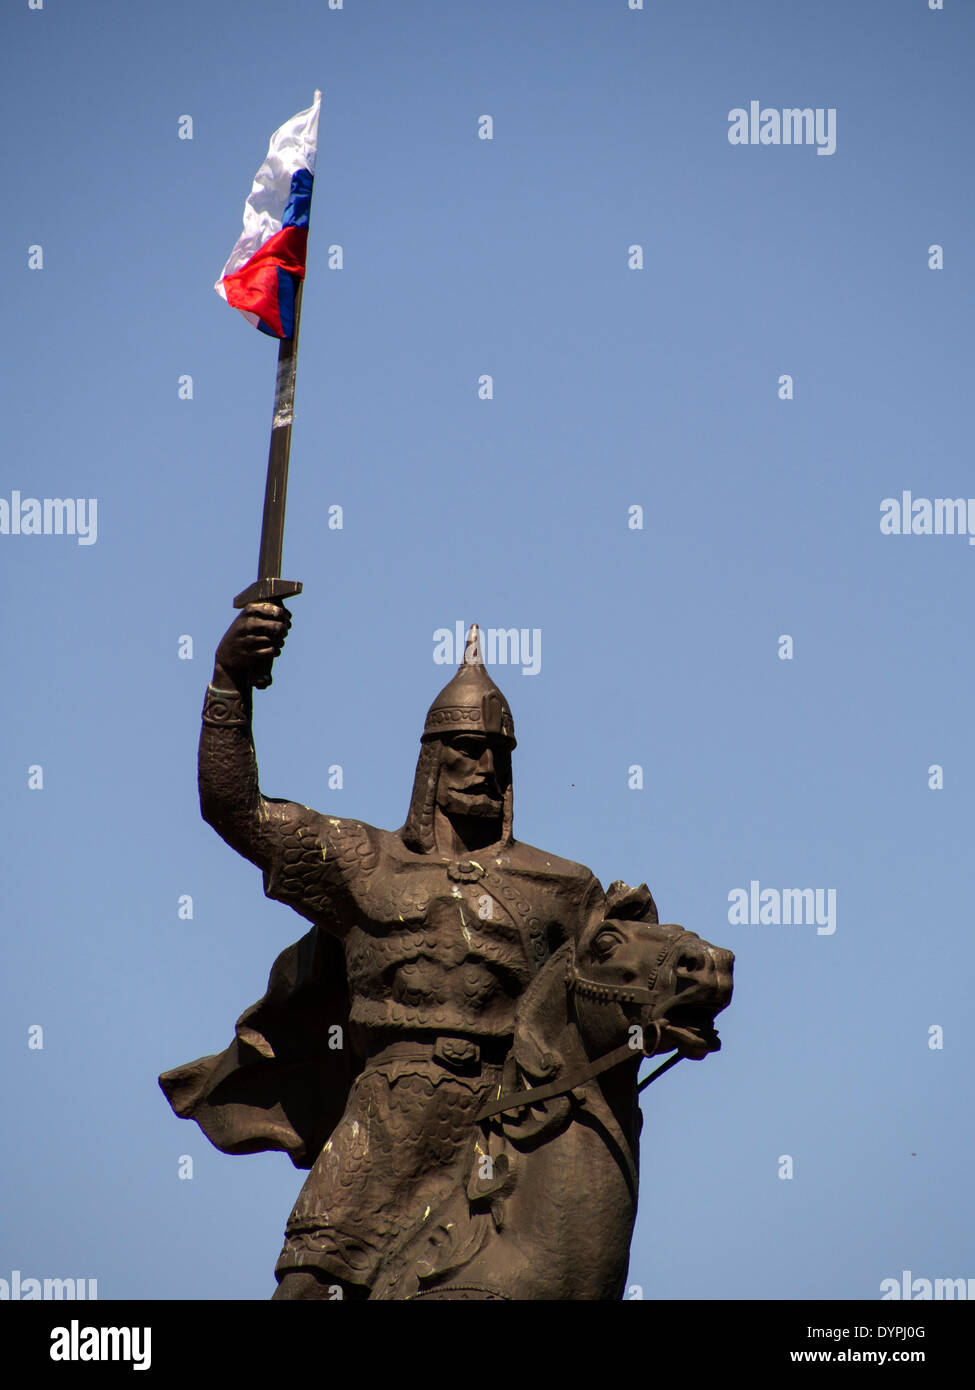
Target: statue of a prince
384,1029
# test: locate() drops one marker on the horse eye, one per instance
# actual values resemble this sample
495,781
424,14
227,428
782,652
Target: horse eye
605,944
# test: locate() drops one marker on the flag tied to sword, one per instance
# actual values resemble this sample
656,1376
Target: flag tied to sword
263,279
265,266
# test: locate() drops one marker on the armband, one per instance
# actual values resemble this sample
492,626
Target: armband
225,709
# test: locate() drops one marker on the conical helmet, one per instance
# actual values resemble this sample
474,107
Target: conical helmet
470,703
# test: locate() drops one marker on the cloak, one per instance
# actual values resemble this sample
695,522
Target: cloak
279,1085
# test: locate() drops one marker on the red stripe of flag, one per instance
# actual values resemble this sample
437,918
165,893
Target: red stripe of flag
254,288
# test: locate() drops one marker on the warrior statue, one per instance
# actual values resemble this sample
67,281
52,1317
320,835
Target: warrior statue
384,1031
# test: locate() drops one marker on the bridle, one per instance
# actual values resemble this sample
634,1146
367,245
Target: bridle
601,994
628,994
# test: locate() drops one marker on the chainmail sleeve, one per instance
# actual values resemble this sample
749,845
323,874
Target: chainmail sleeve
310,861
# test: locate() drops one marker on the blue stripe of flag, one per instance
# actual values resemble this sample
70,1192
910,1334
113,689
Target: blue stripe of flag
299,203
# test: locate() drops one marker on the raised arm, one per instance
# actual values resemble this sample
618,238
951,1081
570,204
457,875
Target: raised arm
230,796
311,862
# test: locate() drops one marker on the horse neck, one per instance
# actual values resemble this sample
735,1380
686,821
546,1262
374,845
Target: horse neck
612,1102
611,1106
618,1088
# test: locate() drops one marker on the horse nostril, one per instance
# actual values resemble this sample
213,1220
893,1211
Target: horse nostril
690,972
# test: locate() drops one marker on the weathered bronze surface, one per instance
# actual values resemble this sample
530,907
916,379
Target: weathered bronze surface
453,1048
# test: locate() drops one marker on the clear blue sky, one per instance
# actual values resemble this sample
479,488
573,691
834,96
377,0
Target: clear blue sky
660,647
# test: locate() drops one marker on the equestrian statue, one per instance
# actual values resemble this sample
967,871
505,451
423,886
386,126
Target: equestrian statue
453,1049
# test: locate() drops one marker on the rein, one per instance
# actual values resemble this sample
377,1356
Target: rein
603,994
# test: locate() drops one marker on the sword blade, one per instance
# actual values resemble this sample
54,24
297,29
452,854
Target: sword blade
269,584
269,587
279,454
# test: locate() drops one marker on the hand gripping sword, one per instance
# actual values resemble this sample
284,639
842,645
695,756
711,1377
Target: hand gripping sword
269,587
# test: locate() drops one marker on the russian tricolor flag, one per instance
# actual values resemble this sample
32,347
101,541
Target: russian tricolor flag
269,258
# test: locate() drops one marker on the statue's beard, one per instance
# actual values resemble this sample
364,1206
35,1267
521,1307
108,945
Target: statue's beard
470,804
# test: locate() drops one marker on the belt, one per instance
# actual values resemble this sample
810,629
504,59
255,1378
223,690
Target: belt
455,1051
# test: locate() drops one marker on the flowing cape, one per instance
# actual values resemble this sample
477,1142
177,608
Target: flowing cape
279,1085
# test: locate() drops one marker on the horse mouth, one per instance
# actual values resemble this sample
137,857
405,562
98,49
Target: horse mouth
690,1028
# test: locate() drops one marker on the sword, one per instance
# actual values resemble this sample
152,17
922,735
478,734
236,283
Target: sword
269,587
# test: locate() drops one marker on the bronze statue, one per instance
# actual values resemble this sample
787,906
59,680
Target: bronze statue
453,1048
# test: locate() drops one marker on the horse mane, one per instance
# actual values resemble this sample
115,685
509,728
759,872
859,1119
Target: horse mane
541,1019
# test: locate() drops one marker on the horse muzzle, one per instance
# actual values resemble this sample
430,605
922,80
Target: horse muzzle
698,988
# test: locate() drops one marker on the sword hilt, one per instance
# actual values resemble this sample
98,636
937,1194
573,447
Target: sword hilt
266,591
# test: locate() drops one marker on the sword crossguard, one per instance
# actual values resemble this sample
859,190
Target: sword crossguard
266,591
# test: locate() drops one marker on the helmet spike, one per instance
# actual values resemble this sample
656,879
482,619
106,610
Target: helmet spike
472,648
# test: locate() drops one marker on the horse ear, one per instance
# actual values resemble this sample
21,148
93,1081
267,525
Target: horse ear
628,904
541,1019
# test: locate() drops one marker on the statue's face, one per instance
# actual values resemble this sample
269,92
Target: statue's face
475,773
